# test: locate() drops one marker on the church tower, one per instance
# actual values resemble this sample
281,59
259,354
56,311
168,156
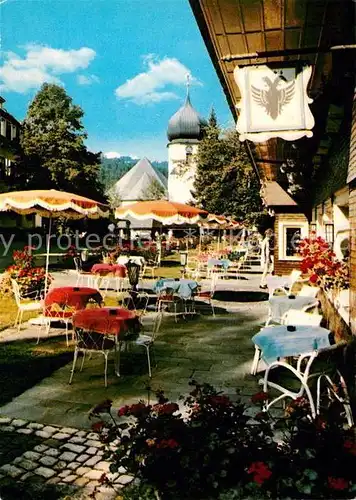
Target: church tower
184,133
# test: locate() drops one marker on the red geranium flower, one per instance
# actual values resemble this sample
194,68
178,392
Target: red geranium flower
168,443
350,446
124,410
98,426
261,472
139,409
219,400
166,408
103,407
337,483
259,397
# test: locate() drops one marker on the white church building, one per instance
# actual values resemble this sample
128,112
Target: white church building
185,130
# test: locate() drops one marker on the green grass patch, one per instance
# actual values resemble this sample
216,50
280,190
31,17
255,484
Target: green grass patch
24,364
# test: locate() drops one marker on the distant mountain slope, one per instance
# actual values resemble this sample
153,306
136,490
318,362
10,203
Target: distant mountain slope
112,169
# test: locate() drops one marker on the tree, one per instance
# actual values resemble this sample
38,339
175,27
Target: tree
154,191
53,145
225,181
114,198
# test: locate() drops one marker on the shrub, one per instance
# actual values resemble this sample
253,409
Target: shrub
215,449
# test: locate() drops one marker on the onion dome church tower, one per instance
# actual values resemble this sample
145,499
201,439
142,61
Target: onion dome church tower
185,131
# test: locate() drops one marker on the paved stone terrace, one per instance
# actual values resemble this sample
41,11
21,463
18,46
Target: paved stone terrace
214,350
65,456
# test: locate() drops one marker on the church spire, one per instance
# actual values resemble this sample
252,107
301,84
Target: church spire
187,99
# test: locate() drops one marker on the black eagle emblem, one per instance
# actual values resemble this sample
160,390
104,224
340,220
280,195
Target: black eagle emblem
273,98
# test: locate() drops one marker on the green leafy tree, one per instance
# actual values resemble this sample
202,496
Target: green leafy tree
114,198
225,181
53,145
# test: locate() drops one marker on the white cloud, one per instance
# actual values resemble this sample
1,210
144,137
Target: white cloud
41,64
151,85
112,154
87,79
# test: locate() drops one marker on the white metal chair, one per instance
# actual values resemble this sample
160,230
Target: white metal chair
209,294
83,277
28,303
283,285
62,314
168,298
146,341
330,384
92,342
309,291
151,265
291,317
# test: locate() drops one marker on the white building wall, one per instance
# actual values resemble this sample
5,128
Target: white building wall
180,175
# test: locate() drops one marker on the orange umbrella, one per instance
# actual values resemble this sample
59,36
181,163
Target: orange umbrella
51,203
166,212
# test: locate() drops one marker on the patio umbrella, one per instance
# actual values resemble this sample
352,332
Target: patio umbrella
166,212
51,203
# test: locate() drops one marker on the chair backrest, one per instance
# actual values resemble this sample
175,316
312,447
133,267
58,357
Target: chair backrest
123,259
16,290
294,276
89,340
78,264
156,325
294,317
308,291
214,279
166,294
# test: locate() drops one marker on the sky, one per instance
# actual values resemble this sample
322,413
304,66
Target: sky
123,61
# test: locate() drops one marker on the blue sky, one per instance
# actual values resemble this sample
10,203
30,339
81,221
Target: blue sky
123,61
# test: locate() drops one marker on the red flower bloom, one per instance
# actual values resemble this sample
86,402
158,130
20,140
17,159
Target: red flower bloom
259,397
168,443
350,446
103,407
261,472
124,410
98,426
139,409
219,400
338,483
166,408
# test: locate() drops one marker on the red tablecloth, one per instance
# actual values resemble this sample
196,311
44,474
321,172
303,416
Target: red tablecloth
104,269
69,297
107,320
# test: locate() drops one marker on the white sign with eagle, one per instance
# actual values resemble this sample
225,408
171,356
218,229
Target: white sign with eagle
274,103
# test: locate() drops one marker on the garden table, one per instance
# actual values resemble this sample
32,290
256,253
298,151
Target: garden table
279,305
185,288
278,342
118,270
225,263
114,321
72,298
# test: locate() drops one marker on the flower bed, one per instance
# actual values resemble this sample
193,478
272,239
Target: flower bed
30,279
214,448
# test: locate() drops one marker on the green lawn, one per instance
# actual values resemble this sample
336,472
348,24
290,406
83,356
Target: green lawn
24,363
